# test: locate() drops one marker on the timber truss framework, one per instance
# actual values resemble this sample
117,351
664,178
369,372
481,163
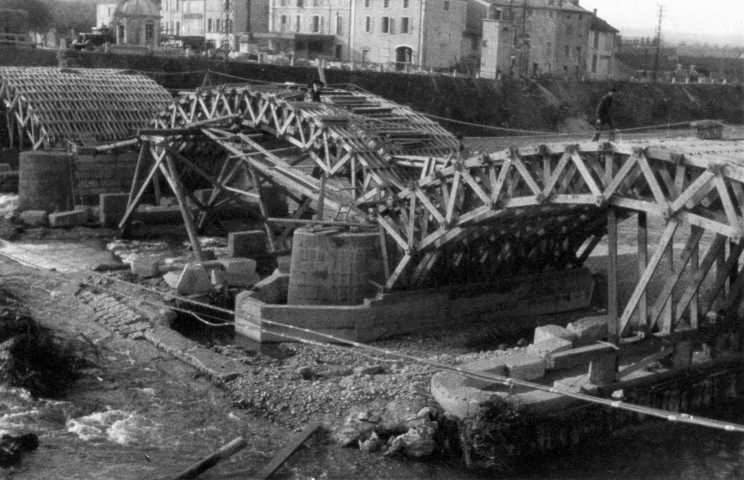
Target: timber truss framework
47,107
358,161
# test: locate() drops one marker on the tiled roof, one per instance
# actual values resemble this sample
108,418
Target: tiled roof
600,25
552,4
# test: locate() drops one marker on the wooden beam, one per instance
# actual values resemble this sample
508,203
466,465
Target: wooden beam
642,318
643,282
612,307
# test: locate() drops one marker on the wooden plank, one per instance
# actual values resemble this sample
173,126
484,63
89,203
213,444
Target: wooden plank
395,277
210,461
586,174
728,205
171,175
645,362
612,307
647,274
692,285
701,182
662,303
620,177
283,455
642,318
721,277
694,267
453,194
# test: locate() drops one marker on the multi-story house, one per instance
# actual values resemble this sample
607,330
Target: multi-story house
183,18
309,28
207,19
534,37
425,33
602,47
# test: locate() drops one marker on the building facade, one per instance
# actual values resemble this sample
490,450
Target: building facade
137,23
602,47
215,20
534,37
424,33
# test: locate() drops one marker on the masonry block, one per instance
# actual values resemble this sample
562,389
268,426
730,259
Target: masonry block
247,244
171,279
113,206
603,370
589,329
577,356
194,280
68,219
147,265
549,346
549,332
524,365
35,218
240,272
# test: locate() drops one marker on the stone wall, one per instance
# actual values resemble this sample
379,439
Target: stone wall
102,173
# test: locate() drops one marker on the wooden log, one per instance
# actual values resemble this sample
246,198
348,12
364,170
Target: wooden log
287,451
210,461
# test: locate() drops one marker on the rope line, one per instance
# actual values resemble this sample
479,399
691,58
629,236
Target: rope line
331,340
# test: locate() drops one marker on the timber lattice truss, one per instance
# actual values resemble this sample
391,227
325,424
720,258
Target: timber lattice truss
46,107
356,160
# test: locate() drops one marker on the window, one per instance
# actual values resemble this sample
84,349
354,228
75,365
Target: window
596,40
178,28
283,23
316,24
282,3
385,25
209,25
368,24
496,14
446,4
367,3
566,51
405,3
338,51
594,64
365,55
385,3
548,48
177,3
298,23
149,33
404,28
339,25
315,3
578,52
300,3
218,25
551,14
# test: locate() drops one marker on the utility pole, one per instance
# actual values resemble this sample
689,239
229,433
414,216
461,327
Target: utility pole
655,71
228,8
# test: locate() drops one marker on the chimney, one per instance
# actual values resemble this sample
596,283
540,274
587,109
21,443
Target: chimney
595,12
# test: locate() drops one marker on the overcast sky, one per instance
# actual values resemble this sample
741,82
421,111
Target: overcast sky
701,17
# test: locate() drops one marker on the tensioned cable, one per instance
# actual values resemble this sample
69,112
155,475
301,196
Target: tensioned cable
506,381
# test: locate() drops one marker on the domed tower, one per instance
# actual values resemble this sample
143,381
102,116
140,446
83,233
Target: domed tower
137,22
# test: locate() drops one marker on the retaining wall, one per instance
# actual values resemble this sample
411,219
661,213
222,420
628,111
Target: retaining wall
520,300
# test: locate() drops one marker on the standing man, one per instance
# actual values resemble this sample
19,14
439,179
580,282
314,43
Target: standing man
604,116
316,90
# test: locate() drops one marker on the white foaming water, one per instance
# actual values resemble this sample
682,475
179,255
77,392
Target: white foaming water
8,203
116,426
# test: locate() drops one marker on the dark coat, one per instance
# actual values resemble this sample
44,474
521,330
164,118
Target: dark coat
604,108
